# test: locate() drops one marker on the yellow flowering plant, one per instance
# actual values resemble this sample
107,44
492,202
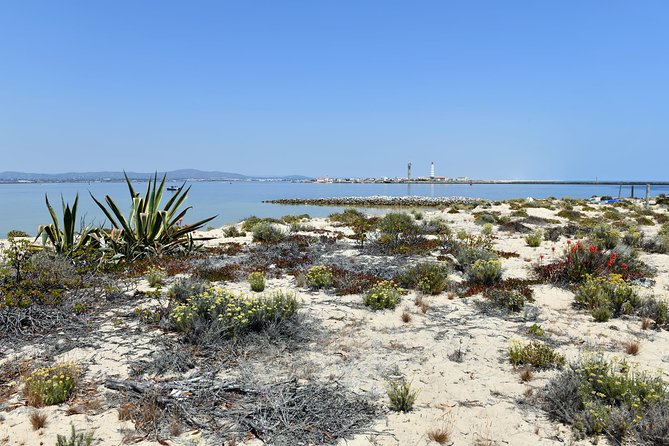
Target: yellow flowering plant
232,313
51,385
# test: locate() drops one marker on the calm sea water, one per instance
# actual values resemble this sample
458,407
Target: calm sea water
22,205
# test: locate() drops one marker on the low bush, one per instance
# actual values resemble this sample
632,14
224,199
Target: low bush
485,272
511,300
232,231
319,276
228,272
605,237
228,315
14,233
383,295
267,232
257,281
604,296
186,287
51,385
348,217
596,396
427,277
579,262
535,354
534,239
399,234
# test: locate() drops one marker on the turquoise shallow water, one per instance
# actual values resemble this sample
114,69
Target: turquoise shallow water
22,205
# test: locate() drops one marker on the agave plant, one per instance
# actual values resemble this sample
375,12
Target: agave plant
65,241
149,230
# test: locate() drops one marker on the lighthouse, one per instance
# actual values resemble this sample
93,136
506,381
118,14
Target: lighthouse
409,171
432,171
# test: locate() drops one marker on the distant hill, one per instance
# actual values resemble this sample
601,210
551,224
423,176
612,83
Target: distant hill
181,174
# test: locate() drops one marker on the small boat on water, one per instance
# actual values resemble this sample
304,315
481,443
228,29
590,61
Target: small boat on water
172,188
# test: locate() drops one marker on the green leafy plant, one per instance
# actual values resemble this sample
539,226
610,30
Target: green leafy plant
383,295
149,230
402,398
536,354
257,281
51,385
319,276
76,439
65,240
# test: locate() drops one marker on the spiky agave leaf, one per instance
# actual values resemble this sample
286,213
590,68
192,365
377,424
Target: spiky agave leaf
149,229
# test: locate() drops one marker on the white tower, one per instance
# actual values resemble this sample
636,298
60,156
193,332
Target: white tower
432,170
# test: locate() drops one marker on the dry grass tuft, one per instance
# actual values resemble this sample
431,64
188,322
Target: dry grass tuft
406,316
38,420
646,323
440,435
631,347
526,374
125,411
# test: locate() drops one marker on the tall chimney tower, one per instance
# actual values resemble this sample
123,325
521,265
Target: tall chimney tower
432,171
409,171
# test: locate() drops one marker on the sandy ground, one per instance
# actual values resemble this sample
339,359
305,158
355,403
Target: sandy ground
480,400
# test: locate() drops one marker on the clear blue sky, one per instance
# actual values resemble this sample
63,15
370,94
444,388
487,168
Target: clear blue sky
486,89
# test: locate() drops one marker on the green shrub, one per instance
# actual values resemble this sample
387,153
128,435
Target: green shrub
437,226
232,231
511,300
186,287
76,439
229,314
535,354
51,385
633,237
610,293
399,234
402,398
534,239
292,219
14,233
257,281
383,295
604,237
319,276
601,314
267,232
597,396
466,256
485,272
427,277
347,217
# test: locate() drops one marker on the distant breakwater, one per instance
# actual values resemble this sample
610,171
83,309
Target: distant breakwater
378,200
